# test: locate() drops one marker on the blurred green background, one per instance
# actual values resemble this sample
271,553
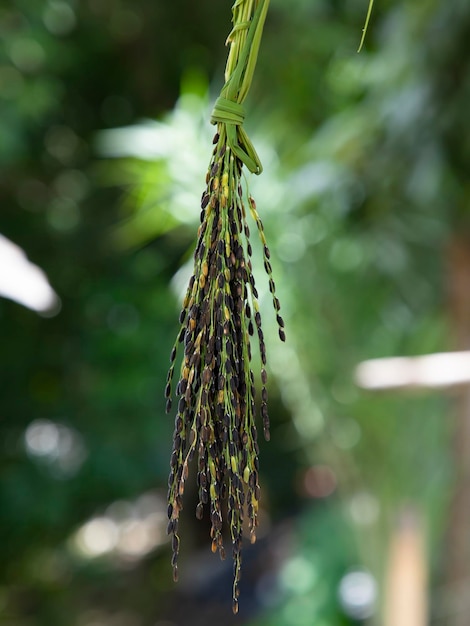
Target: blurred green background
104,144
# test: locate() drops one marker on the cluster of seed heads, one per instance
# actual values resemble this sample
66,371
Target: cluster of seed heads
215,420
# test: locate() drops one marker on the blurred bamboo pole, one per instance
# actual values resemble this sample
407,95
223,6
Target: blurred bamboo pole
457,542
406,576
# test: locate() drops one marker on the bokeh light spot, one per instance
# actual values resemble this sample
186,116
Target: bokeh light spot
72,184
364,509
27,54
346,434
42,438
97,537
290,247
61,143
346,255
298,575
319,481
63,214
358,594
134,539
59,446
128,530
59,17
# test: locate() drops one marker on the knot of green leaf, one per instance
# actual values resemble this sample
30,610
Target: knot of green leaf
232,114
227,112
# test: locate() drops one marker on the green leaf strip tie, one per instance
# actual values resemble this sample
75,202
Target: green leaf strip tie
232,115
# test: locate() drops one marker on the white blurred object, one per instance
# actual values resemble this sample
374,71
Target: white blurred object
128,530
358,594
439,370
60,446
24,282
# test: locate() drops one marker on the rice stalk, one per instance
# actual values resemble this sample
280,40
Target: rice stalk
215,419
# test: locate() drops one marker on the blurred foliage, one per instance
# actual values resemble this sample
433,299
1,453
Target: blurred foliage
366,163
